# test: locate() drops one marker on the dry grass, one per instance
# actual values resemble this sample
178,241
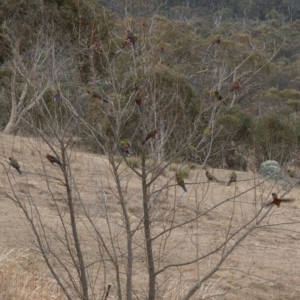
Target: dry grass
22,278
265,266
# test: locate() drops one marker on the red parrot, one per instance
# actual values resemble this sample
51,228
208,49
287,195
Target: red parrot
57,96
53,160
138,101
126,43
150,135
131,37
96,95
236,85
276,201
93,48
13,162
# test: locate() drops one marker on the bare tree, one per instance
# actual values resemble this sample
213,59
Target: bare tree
123,218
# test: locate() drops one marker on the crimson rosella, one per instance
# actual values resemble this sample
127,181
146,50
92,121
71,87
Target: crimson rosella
96,95
131,37
138,101
53,160
276,201
236,85
93,48
14,163
150,135
57,96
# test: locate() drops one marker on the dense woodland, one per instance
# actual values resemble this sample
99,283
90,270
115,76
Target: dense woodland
176,61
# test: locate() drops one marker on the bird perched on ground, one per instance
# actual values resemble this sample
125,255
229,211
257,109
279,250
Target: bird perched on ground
93,48
96,95
131,37
57,96
180,181
53,160
232,178
236,85
276,201
291,173
150,135
138,101
192,151
14,163
211,177
125,146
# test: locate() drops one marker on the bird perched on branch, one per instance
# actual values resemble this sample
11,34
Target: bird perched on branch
138,101
232,178
92,49
125,146
150,135
126,43
14,163
236,85
276,201
206,135
131,37
180,180
111,116
144,23
53,160
211,177
192,151
292,174
218,95
57,95
96,95
207,131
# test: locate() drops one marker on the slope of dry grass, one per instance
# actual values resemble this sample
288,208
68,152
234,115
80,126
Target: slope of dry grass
264,266
23,278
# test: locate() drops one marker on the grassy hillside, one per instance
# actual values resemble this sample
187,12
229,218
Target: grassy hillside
264,265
